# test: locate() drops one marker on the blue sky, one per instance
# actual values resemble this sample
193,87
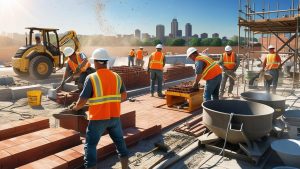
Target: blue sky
124,16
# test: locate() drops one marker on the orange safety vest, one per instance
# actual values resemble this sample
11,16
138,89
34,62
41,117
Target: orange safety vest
211,69
131,53
74,65
106,100
229,61
139,54
272,62
157,61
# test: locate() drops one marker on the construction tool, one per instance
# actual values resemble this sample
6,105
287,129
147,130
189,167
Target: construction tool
158,146
52,92
69,112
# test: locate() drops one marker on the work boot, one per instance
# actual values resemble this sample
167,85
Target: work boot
124,162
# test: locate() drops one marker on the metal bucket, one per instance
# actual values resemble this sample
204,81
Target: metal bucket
250,120
274,101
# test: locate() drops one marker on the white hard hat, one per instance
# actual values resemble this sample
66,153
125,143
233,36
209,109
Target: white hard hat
271,47
37,35
141,47
228,48
189,51
158,46
100,54
68,51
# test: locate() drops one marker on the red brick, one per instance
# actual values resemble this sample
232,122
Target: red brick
128,119
79,149
6,144
5,160
63,140
73,158
25,138
50,162
28,152
69,123
18,128
151,131
132,135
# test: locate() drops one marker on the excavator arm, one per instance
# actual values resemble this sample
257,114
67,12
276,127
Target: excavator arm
67,36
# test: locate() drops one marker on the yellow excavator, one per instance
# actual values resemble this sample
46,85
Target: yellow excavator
39,60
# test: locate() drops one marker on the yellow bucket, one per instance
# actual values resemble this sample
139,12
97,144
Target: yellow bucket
34,97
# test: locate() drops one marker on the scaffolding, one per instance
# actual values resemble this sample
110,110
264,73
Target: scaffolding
255,20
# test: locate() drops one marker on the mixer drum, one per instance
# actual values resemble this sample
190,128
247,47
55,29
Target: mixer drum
250,120
274,101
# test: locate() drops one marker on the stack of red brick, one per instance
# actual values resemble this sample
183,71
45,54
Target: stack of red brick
32,144
193,127
178,72
133,77
66,98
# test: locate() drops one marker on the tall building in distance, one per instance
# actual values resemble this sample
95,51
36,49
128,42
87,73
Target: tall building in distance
179,34
188,30
160,32
137,34
174,28
215,35
204,35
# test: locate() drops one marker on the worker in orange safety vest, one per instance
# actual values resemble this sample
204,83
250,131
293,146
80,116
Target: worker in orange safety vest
131,56
229,63
207,69
104,91
272,65
77,64
156,65
139,57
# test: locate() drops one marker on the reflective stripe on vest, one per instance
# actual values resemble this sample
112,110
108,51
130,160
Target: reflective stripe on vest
229,61
211,70
105,102
139,54
271,62
74,65
157,61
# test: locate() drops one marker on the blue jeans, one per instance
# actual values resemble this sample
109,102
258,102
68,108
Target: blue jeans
212,88
93,133
274,80
156,75
130,59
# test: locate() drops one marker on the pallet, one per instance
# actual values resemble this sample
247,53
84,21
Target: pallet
194,99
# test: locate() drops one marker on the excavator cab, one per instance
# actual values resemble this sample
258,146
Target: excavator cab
42,55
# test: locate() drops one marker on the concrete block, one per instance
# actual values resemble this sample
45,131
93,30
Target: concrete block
21,92
5,94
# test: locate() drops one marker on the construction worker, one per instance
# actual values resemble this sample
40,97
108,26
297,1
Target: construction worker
104,91
207,69
272,65
156,65
139,57
77,63
37,37
229,63
131,56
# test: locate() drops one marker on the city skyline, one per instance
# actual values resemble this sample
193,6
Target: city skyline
115,17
